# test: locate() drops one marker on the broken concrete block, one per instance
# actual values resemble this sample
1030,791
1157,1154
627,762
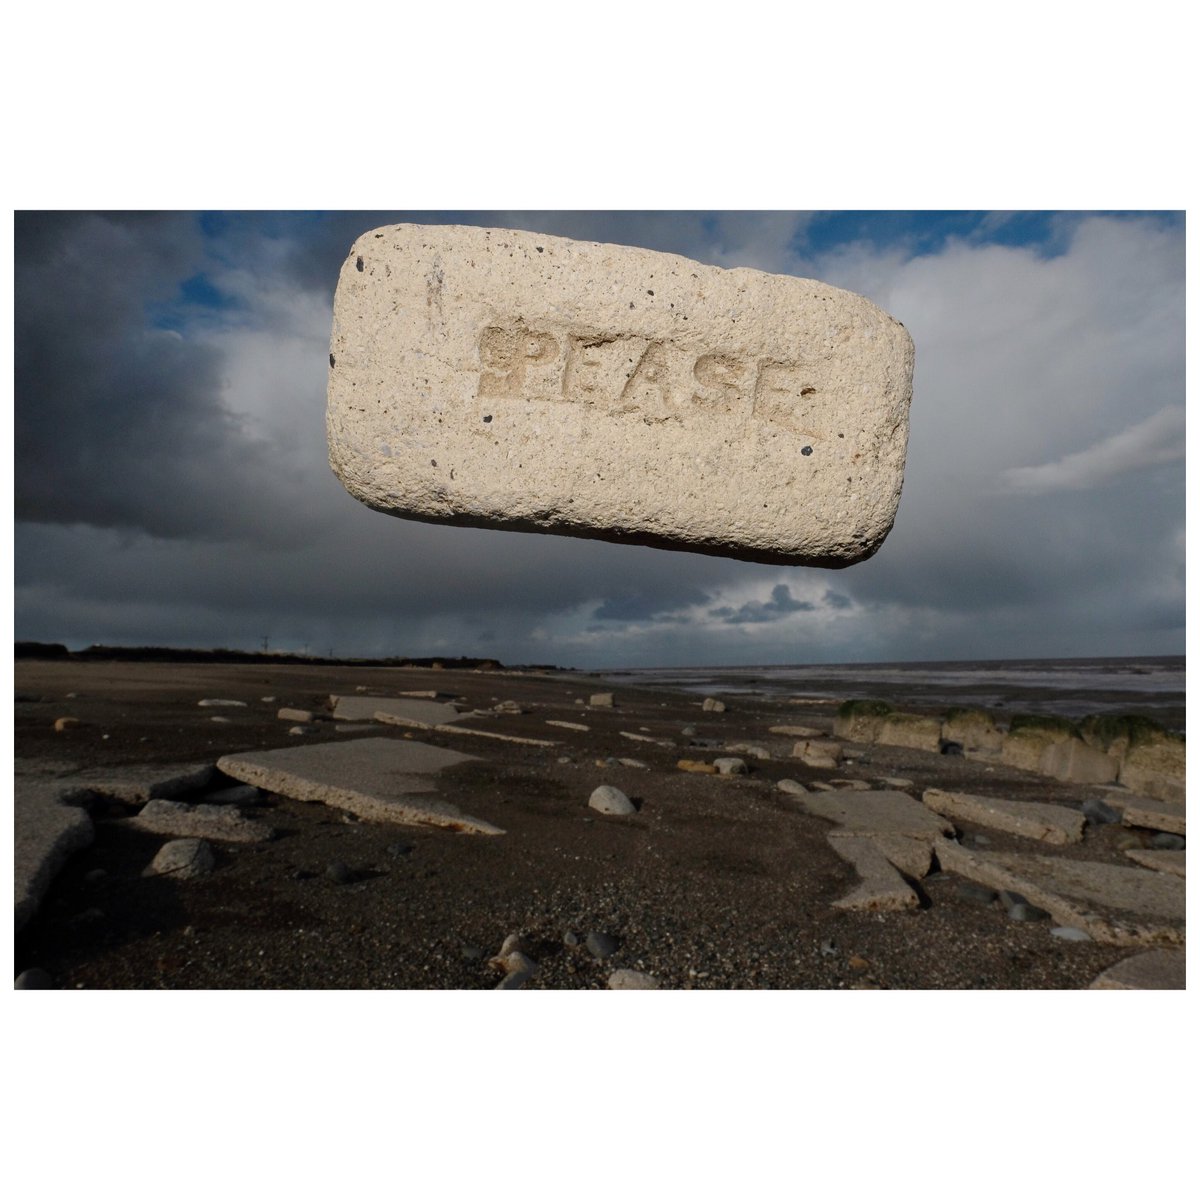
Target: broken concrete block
911,855
1174,862
601,700
219,822
877,813
1074,761
818,752
712,704
512,380
1156,768
1121,906
1154,814
882,889
378,779
1046,822
1023,748
975,731
300,716
1155,970
183,858
912,731
364,708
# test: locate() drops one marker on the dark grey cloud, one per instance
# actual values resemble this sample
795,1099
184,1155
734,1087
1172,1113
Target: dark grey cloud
757,612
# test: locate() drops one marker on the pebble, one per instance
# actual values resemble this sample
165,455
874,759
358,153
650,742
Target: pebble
976,893
1097,812
1068,934
601,945
221,720
982,839
65,723
730,766
399,849
628,980
633,762
221,703
295,731
819,785
688,731
570,938
611,801
563,760
711,704
34,979
338,872
1168,841
602,700
521,968
829,947
1028,912
792,788
898,782
268,699
856,962
473,953
183,858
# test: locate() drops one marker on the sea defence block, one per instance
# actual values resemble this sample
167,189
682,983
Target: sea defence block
511,380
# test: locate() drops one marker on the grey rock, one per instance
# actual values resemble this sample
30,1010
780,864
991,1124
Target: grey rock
791,788
601,945
1098,813
951,749
219,822
829,947
1069,934
1028,912
399,849
712,704
629,980
1168,841
688,731
730,766
34,979
338,872
976,893
473,953
183,858
611,801
1010,899
570,938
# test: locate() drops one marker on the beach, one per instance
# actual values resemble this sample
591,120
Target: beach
715,881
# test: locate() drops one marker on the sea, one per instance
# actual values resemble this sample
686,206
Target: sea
1066,687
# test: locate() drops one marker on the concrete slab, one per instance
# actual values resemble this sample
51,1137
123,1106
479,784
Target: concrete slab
364,708
1174,862
882,889
386,718
1123,906
380,779
894,813
1044,822
1141,813
1156,970
139,784
910,855
220,822
47,832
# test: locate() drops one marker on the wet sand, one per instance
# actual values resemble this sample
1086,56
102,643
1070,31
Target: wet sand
714,883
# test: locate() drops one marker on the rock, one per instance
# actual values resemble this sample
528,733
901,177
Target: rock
1156,768
295,731
893,813
950,749
1023,748
543,384
851,785
896,782
1051,823
730,766
856,962
183,858
377,779
977,893
300,716
473,953
688,731
221,703
33,979
712,704
601,700
601,945
520,967
1168,841
570,725
1027,912
508,706
828,947
696,767
974,731
339,872
752,749
641,737
819,785
626,979
570,938
818,752
62,724
635,763
611,801
791,788
268,699
1155,970
219,822
1096,812
1068,933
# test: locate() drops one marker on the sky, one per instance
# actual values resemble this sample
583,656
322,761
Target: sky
172,483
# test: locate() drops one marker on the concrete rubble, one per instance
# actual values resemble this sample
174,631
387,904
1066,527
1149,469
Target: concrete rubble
1043,822
378,779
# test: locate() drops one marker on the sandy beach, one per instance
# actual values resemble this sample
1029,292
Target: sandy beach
714,882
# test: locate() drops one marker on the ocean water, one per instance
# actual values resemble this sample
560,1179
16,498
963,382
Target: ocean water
1068,687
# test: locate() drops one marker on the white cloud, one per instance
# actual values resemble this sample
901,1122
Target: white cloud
1158,439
